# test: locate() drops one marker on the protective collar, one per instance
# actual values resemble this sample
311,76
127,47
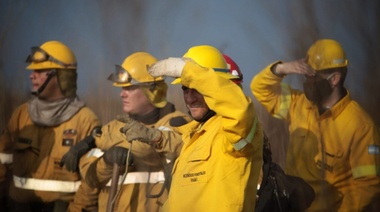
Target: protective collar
49,114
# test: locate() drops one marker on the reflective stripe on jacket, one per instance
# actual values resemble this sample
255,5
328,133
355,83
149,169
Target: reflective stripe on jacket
141,177
37,151
136,193
132,177
6,158
46,185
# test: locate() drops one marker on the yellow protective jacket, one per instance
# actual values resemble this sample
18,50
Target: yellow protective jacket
34,153
337,152
221,159
137,194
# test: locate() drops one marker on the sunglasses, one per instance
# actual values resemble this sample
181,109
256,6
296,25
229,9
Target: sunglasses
39,55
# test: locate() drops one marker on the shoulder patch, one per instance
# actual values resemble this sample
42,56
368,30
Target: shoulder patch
177,121
373,150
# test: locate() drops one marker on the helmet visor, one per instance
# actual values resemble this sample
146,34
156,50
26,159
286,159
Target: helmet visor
39,55
121,76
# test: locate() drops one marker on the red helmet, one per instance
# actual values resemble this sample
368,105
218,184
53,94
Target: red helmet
234,69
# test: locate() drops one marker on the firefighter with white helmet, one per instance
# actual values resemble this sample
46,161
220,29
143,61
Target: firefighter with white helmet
334,144
145,165
43,129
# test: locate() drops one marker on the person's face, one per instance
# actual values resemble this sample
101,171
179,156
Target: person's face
318,88
51,91
195,103
135,102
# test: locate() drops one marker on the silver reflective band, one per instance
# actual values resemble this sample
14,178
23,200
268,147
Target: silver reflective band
95,153
163,128
141,177
46,185
240,144
243,142
6,158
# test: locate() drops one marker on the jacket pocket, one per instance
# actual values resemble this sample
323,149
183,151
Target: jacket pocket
329,159
196,168
25,156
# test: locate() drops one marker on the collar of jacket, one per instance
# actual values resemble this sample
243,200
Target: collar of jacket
155,115
340,106
196,127
207,116
336,109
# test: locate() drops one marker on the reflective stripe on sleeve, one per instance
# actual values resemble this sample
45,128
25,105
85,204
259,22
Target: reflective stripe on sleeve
141,177
362,171
285,101
6,158
95,153
163,128
243,142
46,185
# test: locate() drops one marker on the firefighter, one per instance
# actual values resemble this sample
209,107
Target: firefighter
146,167
43,129
214,171
334,144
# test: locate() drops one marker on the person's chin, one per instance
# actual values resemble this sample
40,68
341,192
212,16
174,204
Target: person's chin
34,89
126,110
196,114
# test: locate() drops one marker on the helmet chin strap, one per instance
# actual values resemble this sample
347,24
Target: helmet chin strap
42,87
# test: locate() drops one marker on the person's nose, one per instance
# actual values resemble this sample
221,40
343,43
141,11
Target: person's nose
32,75
190,96
123,93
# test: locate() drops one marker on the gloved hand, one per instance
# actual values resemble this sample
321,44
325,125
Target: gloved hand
71,158
117,155
134,130
171,67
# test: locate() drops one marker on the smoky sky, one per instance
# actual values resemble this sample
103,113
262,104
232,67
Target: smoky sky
253,33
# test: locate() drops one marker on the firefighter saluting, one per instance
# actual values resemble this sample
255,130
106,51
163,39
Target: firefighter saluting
215,169
333,144
42,130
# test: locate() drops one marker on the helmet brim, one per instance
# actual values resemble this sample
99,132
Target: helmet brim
47,65
222,74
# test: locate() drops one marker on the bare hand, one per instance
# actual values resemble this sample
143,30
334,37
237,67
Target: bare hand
295,67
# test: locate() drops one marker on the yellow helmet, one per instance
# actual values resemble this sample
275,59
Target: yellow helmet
134,71
209,57
326,54
51,55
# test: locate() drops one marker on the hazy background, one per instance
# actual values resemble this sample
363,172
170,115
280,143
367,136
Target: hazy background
253,33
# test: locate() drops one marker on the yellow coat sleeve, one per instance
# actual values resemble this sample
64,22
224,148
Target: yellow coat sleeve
225,98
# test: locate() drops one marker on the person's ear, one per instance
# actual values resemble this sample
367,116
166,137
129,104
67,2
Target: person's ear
335,78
